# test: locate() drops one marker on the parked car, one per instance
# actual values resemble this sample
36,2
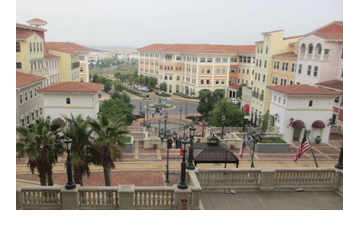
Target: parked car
233,100
146,89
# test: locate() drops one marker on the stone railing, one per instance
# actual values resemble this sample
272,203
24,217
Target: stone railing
130,197
271,179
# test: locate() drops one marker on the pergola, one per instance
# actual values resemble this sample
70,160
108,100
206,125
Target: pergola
214,154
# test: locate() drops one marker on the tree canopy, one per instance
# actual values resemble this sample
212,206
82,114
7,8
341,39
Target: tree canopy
208,99
234,116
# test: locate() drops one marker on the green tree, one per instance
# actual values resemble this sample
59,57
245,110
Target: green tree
163,86
109,137
94,78
108,86
233,114
78,130
40,144
152,82
206,102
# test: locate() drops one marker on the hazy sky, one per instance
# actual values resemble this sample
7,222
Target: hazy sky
138,23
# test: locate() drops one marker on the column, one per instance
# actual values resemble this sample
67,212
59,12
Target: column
126,193
70,199
267,179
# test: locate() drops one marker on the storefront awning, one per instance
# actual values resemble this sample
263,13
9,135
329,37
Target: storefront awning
298,124
246,108
319,124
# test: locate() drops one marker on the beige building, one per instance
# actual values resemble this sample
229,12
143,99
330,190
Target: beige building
273,43
189,68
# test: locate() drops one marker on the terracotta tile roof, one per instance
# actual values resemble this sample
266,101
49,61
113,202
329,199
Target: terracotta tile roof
29,27
66,47
200,48
71,87
268,32
287,55
333,84
330,36
302,89
50,56
26,79
24,35
36,20
233,86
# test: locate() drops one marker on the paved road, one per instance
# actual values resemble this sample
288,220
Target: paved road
191,107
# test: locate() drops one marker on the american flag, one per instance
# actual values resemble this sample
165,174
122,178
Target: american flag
304,146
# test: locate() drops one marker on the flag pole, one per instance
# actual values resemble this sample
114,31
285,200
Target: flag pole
314,156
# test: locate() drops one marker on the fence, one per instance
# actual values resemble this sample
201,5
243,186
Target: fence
168,198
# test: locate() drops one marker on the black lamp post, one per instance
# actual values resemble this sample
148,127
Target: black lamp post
70,184
339,165
165,124
255,138
223,124
159,128
169,140
140,105
190,164
186,109
147,113
180,114
183,184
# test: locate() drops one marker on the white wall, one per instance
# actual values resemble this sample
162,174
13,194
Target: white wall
298,109
55,105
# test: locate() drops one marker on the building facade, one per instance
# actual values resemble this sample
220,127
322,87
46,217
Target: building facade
320,55
295,108
273,43
187,69
66,98
29,104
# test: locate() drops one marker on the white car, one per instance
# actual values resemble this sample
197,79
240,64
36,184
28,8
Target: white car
233,100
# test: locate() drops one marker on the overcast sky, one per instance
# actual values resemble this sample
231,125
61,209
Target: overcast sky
138,23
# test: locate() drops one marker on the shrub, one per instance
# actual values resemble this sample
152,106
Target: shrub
276,140
163,94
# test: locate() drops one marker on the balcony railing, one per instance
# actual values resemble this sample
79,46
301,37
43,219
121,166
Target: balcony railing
254,94
41,72
302,55
75,65
261,97
317,56
326,57
144,198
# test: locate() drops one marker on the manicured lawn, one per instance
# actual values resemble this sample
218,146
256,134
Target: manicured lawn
276,140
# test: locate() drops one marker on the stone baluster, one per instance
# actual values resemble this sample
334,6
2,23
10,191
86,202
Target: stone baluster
19,198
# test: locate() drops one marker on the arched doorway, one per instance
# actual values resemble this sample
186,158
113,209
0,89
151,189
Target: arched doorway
298,127
318,127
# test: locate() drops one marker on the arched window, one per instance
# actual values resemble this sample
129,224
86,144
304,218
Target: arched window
18,47
303,48
30,47
310,49
68,100
310,103
318,49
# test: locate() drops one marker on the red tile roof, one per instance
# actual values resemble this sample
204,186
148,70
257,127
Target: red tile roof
29,27
37,20
302,89
200,48
71,87
330,36
26,79
287,55
333,84
233,86
66,47
50,56
25,34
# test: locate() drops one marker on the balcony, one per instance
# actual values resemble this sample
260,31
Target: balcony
40,72
75,65
202,183
254,94
302,55
326,57
317,56
261,97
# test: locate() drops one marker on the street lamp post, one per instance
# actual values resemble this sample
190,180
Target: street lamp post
186,109
159,128
190,164
255,137
167,137
140,105
165,124
70,184
147,113
180,114
339,165
183,184
246,121
223,124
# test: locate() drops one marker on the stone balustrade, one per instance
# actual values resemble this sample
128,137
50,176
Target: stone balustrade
130,197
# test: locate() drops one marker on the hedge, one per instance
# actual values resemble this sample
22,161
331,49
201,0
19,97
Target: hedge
163,94
275,140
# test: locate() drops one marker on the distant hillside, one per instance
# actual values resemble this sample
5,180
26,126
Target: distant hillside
110,48
97,50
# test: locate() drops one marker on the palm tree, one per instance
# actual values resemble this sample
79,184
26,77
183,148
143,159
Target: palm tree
109,137
78,130
40,143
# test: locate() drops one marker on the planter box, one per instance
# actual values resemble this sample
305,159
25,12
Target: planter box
128,147
270,147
